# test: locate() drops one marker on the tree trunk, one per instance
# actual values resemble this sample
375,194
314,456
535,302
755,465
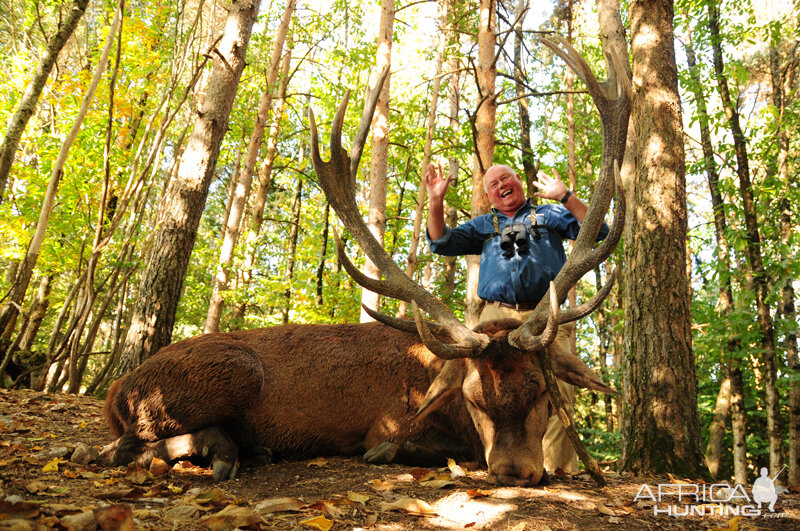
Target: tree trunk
520,77
260,199
422,191
9,313
323,252
727,393
753,241
485,118
179,215
661,427
242,189
33,91
294,232
380,151
779,96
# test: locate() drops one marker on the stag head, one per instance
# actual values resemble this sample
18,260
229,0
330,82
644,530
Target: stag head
494,368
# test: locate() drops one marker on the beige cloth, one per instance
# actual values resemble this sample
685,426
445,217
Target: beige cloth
558,450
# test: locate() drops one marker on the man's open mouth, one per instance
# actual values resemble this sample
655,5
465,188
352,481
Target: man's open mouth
506,193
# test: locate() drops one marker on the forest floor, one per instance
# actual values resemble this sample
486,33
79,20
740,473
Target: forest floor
42,487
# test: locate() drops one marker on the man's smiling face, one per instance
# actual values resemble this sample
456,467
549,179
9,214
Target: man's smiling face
504,189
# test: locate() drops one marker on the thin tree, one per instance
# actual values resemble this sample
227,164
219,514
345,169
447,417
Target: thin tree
180,210
27,105
380,150
661,427
9,313
484,132
422,191
730,397
755,262
242,188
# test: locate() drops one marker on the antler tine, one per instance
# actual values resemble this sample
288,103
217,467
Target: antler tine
582,310
442,350
366,120
543,340
405,325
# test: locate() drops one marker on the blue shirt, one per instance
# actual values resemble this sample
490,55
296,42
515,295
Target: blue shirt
521,277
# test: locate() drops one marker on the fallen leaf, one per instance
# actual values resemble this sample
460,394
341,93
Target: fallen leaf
232,517
419,473
52,466
319,461
18,510
379,485
318,522
71,474
214,497
159,467
136,474
730,525
277,505
479,493
35,487
411,506
117,517
83,424
357,497
673,479
455,470
437,483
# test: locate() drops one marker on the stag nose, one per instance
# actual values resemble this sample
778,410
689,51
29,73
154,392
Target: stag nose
515,474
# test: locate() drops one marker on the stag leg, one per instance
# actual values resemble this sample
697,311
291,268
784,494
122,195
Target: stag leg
211,443
431,448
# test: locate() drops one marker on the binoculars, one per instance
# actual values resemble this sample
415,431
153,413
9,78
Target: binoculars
514,235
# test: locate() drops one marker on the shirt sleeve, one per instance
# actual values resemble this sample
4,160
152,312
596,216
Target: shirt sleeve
467,238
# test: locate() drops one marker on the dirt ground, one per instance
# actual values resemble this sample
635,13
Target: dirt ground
44,437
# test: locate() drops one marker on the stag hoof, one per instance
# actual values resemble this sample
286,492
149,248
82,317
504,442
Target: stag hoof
382,453
224,470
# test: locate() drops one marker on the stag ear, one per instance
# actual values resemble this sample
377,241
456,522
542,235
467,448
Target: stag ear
572,370
445,387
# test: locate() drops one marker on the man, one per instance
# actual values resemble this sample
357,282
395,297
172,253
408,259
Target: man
521,251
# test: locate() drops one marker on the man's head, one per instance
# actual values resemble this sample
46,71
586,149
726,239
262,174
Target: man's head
504,189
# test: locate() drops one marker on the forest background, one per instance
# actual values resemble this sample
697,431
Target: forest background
93,170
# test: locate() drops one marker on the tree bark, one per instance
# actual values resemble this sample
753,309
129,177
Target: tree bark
731,365
260,199
294,232
780,91
9,313
520,77
33,91
179,215
380,151
422,191
485,121
753,244
242,189
661,427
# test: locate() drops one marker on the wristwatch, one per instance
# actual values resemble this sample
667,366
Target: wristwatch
566,196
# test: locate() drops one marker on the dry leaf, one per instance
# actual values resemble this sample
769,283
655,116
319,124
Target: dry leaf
318,522
357,497
319,461
411,506
118,517
673,479
214,497
437,483
232,517
136,474
379,485
419,473
479,493
52,466
277,505
71,474
159,467
730,525
455,470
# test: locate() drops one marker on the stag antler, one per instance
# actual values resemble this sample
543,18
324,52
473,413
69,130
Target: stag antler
337,179
613,101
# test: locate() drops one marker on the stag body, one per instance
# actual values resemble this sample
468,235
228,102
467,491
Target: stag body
310,390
